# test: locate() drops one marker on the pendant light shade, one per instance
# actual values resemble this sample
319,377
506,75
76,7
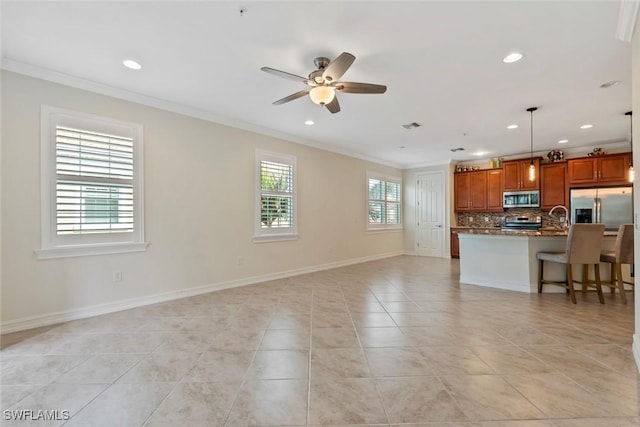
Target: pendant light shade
631,175
532,167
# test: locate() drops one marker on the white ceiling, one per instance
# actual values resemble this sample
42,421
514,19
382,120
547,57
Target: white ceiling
442,63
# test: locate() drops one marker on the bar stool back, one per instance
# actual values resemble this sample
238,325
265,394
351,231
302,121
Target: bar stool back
623,254
583,247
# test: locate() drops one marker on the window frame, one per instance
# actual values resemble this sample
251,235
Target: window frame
53,245
384,178
263,234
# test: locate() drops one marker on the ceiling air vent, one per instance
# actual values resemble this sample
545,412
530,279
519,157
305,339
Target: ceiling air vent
411,125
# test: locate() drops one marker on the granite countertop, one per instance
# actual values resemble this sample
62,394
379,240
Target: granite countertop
543,232
528,233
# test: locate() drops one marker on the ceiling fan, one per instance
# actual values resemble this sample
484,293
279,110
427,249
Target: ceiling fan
325,82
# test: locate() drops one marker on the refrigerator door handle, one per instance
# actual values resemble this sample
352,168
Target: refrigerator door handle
597,210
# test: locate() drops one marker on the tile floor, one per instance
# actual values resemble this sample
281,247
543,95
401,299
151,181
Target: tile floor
391,342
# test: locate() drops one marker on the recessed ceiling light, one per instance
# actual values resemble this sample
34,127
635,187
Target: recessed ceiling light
512,127
480,153
586,126
309,122
563,141
512,57
453,150
609,84
130,63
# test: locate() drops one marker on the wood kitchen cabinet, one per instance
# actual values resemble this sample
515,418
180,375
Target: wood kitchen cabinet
516,175
609,169
478,191
494,190
455,244
470,190
553,185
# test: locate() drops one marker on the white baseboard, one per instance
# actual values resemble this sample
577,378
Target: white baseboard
636,350
111,307
509,286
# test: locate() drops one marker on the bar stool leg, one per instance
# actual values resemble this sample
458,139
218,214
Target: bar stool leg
540,275
620,282
596,270
572,291
612,275
585,277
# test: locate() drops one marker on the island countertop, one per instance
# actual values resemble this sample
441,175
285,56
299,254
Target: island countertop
549,232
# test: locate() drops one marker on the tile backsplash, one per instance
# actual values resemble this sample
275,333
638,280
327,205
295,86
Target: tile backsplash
493,219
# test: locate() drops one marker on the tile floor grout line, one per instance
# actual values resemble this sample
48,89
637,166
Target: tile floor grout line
244,379
364,353
310,326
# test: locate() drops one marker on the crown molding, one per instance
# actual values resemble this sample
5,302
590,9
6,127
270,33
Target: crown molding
627,19
35,71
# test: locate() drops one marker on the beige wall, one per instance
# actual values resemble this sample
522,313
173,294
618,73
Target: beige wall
199,208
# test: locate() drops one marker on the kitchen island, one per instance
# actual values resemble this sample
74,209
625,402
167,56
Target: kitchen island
507,259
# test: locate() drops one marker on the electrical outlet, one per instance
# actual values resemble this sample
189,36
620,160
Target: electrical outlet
486,219
117,276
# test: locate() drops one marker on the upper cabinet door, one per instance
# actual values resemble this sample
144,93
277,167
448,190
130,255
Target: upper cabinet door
528,184
511,175
583,171
494,190
478,185
462,192
614,169
553,185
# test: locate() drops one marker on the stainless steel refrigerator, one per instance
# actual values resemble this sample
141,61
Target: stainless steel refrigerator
610,206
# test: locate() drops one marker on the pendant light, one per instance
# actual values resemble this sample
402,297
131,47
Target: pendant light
631,172
532,167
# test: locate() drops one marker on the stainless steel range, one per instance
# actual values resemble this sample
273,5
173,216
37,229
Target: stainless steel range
522,223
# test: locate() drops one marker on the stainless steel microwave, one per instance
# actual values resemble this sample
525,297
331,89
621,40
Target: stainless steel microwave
521,199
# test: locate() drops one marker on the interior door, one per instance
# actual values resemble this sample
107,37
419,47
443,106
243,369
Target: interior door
431,215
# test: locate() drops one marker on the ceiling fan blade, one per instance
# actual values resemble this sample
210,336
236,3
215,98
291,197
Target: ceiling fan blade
338,67
333,106
353,87
285,75
292,97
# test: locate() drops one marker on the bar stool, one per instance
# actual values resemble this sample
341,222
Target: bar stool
583,247
623,254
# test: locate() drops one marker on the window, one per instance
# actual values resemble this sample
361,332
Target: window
91,185
275,197
384,200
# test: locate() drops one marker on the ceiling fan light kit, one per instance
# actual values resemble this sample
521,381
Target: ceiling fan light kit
325,81
322,95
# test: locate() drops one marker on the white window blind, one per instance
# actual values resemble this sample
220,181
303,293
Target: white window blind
275,197
384,201
94,182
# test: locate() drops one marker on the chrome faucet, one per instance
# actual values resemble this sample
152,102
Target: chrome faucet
566,222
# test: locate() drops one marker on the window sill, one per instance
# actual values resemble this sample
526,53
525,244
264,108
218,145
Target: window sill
275,238
384,230
87,250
